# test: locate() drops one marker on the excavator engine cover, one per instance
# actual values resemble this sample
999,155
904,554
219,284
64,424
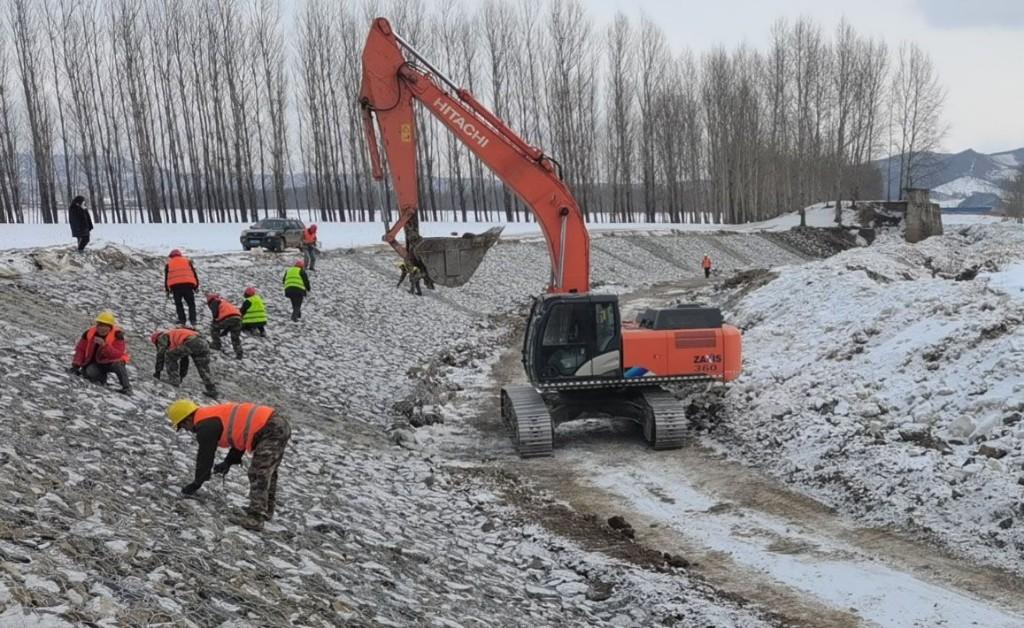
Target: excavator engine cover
451,262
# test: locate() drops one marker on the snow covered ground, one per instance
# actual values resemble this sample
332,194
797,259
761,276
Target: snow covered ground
883,384
93,529
223,237
873,380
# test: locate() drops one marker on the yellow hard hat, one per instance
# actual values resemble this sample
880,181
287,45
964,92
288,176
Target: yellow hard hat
181,410
106,318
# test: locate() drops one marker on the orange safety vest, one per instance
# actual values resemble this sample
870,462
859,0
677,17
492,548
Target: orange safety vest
240,421
179,272
179,336
308,237
227,310
90,347
706,262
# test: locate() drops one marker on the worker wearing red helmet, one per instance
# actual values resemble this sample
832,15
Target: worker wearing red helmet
296,285
174,347
227,319
309,247
254,313
181,281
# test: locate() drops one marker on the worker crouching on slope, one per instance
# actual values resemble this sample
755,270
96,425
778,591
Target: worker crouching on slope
227,319
296,285
181,281
254,313
242,428
101,351
415,276
174,348
309,247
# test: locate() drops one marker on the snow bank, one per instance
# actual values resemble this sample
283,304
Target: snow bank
884,385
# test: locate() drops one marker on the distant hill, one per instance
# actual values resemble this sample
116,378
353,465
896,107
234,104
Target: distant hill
967,178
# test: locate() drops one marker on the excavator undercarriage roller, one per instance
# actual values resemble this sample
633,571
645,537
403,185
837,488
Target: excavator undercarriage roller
451,262
531,419
528,420
664,420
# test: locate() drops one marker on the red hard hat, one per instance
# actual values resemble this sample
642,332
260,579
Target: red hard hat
300,264
250,291
175,253
212,296
156,336
312,227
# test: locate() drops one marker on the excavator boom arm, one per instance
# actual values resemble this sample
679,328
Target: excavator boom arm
390,83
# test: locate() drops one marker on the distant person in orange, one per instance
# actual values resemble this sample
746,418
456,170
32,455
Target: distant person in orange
181,281
706,265
309,247
101,351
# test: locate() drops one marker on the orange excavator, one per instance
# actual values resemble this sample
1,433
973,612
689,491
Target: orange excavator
581,359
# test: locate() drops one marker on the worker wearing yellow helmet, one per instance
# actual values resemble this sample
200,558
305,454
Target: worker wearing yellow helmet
241,428
102,350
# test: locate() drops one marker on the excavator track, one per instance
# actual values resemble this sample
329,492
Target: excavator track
528,419
665,422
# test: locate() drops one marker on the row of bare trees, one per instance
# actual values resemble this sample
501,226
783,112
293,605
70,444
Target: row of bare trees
217,110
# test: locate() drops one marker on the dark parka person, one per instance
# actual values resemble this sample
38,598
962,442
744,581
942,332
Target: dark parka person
80,222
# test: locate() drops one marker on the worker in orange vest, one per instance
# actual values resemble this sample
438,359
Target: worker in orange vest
706,265
181,281
102,350
227,319
242,428
309,247
175,347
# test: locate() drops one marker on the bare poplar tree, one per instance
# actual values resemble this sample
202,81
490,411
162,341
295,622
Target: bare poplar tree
10,173
653,57
25,29
621,100
917,102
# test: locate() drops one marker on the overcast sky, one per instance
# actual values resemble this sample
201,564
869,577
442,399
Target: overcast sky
977,47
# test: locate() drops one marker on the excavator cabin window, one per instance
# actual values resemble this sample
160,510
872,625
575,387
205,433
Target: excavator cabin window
580,339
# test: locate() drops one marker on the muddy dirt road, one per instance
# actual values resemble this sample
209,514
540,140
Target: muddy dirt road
750,537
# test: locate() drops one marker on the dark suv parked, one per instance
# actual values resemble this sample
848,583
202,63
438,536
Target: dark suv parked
273,234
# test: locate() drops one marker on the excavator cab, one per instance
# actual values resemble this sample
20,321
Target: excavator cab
451,262
573,339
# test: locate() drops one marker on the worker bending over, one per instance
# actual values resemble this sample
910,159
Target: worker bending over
254,313
175,347
227,319
415,276
242,428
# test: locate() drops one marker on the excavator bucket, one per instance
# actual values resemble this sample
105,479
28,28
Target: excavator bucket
451,262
